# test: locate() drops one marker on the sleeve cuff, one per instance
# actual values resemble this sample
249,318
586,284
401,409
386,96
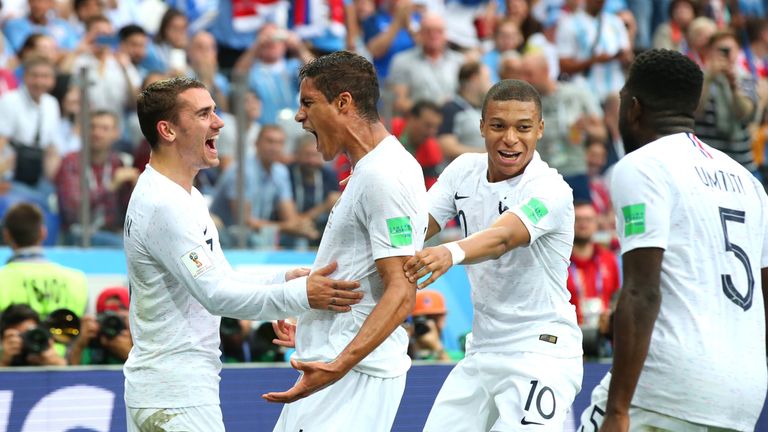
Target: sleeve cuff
296,294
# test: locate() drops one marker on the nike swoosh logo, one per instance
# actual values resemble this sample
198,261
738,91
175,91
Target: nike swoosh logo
526,422
457,197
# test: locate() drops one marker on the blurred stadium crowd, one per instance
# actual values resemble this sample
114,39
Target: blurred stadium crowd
70,144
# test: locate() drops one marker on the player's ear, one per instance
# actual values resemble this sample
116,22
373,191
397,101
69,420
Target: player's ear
635,111
482,128
165,131
343,101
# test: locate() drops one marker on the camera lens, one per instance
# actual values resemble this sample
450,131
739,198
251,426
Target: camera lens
35,340
420,326
110,324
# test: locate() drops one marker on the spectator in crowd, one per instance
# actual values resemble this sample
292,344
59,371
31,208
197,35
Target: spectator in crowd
594,47
389,31
671,34
593,276
109,184
755,59
728,101
270,74
133,43
571,115
427,321
29,131
597,157
269,206
24,341
356,13
70,139
106,337
511,66
28,277
697,38
458,133
315,189
242,344
519,13
84,10
418,134
113,78
428,71
170,44
506,37
649,14
40,19
204,66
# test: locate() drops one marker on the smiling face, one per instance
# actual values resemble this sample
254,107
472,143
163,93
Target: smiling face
319,117
511,129
196,129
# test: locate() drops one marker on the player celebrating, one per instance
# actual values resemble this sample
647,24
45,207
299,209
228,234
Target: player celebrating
689,327
179,278
523,366
378,223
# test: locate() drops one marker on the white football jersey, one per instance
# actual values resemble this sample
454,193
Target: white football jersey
380,214
520,300
706,361
180,284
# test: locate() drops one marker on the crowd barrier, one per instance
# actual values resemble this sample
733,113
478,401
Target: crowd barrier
82,399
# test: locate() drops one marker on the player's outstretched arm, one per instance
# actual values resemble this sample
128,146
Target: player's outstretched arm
393,308
506,233
636,312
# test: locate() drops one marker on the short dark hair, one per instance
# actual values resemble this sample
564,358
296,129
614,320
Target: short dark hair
15,314
424,105
23,222
755,26
130,30
344,71
580,202
515,90
467,71
722,34
665,80
159,102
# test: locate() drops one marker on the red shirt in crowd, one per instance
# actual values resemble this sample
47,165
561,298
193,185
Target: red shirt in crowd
597,277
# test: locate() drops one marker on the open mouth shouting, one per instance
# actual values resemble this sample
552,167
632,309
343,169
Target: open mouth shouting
510,156
210,144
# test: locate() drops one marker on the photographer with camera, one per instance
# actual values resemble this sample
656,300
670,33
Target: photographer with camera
24,341
428,320
105,338
728,101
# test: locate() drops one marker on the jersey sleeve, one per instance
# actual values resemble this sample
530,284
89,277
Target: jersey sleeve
184,252
643,205
442,206
389,210
547,208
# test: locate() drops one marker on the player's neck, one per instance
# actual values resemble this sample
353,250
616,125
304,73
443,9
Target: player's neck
665,125
171,168
583,250
363,138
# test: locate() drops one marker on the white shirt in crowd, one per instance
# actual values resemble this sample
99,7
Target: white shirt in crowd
380,214
520,300
180,285
711,218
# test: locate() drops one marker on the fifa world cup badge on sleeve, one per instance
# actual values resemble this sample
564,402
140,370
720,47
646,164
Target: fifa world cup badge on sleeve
535,210
400,231
634,219
197,261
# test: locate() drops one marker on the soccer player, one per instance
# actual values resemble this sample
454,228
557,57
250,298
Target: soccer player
689,327
523,366
359,359
180,281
